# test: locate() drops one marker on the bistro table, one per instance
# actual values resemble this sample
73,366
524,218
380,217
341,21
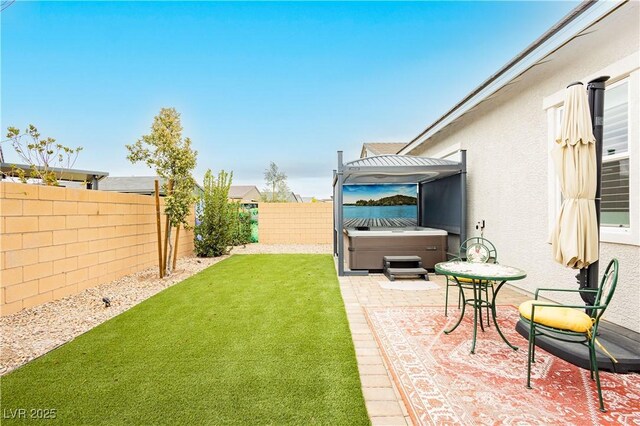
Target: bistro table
479,273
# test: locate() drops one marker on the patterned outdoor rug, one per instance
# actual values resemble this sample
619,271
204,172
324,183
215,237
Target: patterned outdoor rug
442,383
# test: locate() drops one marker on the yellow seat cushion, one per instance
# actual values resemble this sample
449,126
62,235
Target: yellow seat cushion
557,317
462,280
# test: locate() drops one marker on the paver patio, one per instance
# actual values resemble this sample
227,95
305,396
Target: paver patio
382,399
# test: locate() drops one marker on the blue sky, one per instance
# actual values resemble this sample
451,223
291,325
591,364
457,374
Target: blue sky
353,193
254,82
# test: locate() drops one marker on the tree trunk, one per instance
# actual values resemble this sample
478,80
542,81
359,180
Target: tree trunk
167,234
169,269
175,249
159,228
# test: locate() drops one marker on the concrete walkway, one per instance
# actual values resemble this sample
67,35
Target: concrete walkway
383,400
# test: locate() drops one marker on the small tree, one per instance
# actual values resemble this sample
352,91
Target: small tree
165,150
215,228
41,155
276,182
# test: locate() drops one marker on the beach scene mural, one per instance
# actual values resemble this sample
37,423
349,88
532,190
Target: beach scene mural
380,205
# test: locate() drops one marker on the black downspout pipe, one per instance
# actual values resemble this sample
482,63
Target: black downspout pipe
588,277
463,194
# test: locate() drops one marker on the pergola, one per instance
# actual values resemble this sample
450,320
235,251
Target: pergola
442,199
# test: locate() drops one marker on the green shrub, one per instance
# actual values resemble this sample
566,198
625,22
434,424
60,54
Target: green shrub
242,229
234,210
254,224
215,224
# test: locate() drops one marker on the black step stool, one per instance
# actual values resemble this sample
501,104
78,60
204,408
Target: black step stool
404,265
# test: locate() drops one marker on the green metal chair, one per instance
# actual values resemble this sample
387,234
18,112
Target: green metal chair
474,249
568,323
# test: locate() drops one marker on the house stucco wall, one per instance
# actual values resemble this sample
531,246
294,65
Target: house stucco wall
506,138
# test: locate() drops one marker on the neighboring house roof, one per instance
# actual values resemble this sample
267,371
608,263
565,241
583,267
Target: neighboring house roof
135,184
131,184
68,175
239,191
380,148
571,26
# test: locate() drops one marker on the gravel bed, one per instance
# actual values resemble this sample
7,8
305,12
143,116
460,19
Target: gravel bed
33,332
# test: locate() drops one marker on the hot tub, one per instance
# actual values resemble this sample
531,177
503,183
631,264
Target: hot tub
366,247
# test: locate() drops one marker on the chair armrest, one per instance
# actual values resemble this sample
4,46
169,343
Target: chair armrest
564,290
556,305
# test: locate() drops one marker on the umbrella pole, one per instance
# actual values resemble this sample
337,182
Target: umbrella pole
595,88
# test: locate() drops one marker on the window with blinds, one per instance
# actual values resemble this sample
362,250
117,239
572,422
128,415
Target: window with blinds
615,157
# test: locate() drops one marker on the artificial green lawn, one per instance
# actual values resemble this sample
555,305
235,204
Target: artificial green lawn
260,339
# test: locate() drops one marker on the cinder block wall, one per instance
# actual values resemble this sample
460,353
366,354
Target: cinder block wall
295,223
55,241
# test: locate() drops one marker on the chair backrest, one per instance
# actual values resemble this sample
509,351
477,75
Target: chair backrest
607,287
478,250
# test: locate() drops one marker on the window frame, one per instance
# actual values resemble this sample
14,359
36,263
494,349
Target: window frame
610,158
624,71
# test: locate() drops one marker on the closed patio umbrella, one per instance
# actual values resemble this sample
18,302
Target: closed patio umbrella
575,237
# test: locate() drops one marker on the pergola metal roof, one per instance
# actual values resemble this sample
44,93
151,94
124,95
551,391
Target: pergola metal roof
397,169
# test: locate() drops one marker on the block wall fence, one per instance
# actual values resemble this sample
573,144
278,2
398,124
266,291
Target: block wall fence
56,241
295,223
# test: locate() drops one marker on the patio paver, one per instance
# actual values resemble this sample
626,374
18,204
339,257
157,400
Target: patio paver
389,421
379,394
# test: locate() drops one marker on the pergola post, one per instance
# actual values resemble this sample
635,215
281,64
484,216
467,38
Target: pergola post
339,213
335,232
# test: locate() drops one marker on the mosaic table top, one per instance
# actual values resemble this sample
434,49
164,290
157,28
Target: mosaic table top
483,271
